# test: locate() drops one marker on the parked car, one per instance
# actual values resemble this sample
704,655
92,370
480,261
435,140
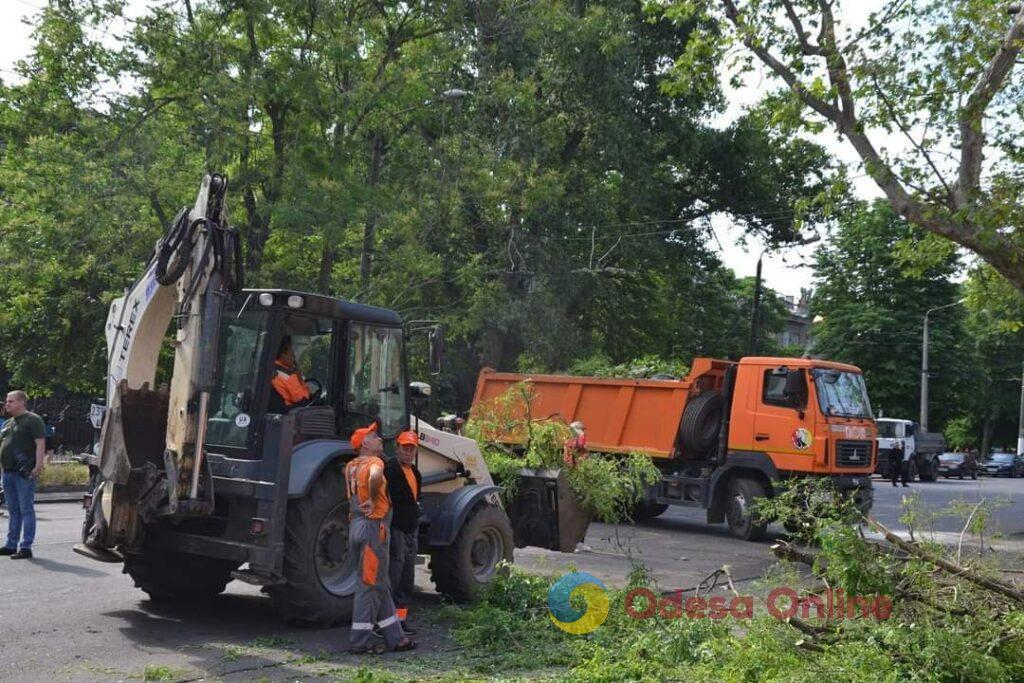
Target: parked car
958,465
1004,465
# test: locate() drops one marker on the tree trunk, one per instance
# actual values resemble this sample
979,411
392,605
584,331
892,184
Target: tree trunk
370,229
988,426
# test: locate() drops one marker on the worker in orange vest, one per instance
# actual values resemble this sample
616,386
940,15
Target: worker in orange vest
290,388
404,482
368,540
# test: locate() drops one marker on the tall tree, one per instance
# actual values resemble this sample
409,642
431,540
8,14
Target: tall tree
938,74
873,305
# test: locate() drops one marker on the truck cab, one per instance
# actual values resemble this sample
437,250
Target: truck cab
921,449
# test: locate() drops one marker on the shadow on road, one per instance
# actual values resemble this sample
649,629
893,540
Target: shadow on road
64,568
227,636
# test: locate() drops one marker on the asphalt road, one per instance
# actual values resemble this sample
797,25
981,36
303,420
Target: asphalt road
64,617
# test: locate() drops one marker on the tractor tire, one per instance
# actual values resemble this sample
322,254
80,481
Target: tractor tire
702,421
168,575
646,510
461,569
743,494
319,575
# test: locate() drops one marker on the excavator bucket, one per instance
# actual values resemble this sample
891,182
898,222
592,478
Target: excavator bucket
545,513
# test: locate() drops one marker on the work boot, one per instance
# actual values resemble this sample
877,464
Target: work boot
7,551
22,555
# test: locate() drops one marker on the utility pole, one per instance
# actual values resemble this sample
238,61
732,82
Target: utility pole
1020,423
924,362
924,375
755,308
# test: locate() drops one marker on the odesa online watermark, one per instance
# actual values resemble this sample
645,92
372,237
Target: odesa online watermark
644,603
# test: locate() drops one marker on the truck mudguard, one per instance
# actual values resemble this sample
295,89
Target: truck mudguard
447,518
310,458
746,460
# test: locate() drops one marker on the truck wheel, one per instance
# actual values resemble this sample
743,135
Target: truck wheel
647,510
743,494
167,575
459,570
930,472
702,420
319,577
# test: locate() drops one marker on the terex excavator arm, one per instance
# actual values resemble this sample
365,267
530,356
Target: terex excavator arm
152,442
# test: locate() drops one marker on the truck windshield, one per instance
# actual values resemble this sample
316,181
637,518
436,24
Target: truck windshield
241,340
376,385
841,393
886,430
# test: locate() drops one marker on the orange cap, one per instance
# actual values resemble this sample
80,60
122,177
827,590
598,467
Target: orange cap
408,438
360,434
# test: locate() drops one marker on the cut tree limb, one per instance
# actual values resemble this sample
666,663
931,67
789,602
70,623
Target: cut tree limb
994,585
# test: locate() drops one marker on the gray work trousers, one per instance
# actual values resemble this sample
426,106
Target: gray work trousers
404,546
372,605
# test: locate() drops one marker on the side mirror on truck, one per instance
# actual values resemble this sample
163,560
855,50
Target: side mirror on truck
435,342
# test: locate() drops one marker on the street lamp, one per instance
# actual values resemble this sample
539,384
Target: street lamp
756,305
924,361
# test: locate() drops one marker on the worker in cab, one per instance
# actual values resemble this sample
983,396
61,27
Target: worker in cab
404,482
290,390
368,542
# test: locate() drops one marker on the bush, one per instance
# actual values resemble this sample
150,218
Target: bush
70,474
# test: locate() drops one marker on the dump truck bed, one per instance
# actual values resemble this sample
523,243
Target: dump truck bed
620,415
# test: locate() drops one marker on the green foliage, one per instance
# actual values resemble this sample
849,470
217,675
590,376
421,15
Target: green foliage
556,206
644,367
872,310
510,439
959,432
72,474
930,75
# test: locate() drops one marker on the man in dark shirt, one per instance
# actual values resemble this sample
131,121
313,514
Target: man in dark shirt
898,469
404,483
22,457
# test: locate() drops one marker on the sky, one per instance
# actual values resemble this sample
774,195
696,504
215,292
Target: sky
786,271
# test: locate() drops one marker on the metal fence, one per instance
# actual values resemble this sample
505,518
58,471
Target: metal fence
69,417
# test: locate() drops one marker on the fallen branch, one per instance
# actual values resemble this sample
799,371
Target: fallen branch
994,585
786,551
960,541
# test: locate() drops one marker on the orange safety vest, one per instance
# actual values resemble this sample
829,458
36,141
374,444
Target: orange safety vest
357,480
289,384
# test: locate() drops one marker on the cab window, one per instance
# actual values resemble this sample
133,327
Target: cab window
376,385
784,388
242,340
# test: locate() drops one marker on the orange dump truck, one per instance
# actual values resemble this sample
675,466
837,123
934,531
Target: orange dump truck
724,435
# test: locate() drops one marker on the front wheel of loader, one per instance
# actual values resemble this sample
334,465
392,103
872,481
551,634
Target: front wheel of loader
461,569
319,577
167,575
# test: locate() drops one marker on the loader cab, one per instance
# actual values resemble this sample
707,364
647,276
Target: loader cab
350,356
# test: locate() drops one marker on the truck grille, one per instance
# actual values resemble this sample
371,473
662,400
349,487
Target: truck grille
853,453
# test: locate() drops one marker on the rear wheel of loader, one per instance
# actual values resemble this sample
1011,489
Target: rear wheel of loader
319,580
459,570
166,575
739,509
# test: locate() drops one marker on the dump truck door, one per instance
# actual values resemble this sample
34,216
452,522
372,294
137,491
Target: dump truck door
782,426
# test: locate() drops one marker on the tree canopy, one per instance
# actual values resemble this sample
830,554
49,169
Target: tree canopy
522,172
933,81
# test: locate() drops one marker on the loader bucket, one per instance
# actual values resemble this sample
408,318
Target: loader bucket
545,513
133,433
